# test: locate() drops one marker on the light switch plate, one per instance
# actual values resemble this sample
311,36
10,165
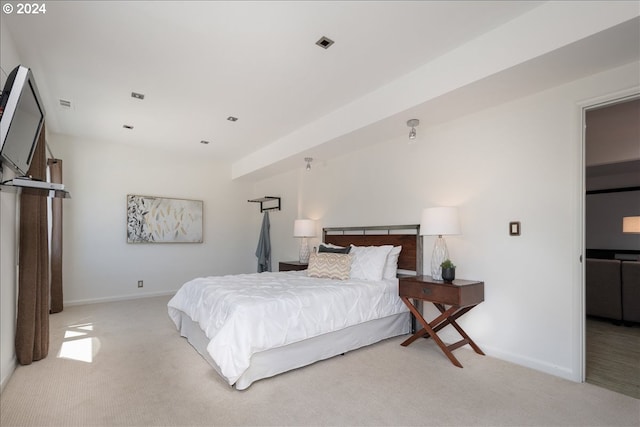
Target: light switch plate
514,228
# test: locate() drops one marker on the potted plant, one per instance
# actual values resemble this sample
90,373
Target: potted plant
448,270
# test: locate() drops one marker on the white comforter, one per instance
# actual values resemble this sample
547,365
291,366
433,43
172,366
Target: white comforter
248,313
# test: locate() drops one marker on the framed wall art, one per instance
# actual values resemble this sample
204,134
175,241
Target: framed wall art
163,220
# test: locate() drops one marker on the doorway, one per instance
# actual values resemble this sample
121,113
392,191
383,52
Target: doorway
612,192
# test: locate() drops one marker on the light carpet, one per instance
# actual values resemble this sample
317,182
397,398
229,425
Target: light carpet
124,363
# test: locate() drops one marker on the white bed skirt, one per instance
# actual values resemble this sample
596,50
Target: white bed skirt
275,361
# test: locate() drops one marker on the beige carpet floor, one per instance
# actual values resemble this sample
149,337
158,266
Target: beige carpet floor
123,363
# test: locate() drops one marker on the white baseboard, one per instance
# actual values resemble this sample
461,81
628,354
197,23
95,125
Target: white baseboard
538,365
11,369
117,298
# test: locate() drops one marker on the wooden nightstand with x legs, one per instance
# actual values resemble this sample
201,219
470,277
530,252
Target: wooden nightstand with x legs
460,296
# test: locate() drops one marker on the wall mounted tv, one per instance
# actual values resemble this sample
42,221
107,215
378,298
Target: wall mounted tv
21,120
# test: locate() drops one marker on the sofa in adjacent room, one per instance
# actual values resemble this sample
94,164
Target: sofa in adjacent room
613,289
631,291
604,288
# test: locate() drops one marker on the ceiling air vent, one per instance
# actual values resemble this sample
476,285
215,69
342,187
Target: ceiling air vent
137,95
324,42
64,103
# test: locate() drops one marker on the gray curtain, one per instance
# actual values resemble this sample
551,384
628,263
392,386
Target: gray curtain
263,251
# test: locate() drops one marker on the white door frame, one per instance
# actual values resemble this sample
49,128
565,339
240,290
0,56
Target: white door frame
602,101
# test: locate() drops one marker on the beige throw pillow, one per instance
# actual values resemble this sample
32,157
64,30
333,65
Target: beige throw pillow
329,265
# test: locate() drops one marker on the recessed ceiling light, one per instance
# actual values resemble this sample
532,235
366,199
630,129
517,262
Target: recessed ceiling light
137,95
127,126
324,42
232,119
204,142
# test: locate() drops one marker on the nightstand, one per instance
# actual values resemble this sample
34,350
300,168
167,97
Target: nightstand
292,266
460,295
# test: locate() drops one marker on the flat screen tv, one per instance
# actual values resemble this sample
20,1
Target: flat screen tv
21,119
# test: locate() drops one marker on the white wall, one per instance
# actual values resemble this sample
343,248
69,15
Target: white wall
8,237
520,161
99,265
8,260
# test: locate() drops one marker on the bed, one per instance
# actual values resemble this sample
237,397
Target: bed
254,326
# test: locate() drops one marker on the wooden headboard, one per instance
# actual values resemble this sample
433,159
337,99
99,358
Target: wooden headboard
407,236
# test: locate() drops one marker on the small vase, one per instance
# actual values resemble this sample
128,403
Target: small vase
448,274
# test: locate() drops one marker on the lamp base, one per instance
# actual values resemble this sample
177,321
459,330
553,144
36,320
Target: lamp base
304,254
440,253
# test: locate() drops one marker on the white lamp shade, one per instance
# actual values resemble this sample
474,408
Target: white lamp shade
304,228
631,224
439,221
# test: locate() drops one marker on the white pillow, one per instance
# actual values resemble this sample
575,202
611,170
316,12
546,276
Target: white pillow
391,265
369,261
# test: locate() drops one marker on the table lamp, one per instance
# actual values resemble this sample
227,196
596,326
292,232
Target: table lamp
439,221
304,228
631,224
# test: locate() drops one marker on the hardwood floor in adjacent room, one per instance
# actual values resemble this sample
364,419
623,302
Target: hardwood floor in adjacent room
613,356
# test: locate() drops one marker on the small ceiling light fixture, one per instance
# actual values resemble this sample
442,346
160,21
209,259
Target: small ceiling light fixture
205,142
412,124
325,42
232,119
127,127
308,160
137,95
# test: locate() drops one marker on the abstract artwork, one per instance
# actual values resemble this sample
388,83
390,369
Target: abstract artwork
163,220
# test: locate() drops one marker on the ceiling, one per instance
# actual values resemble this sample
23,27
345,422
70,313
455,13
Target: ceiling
197,63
